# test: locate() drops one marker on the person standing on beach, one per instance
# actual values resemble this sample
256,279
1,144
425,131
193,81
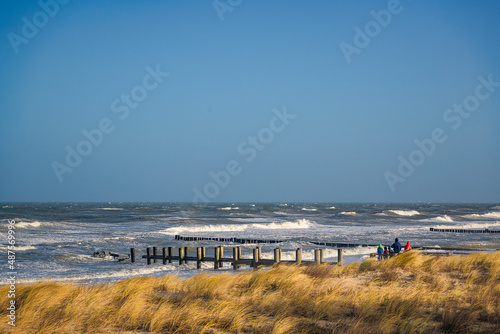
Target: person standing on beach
380,251
407,247
396,246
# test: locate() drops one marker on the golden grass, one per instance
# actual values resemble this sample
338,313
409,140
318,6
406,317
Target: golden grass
410,293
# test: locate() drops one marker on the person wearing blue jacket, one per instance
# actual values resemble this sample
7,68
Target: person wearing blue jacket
380,251
396,246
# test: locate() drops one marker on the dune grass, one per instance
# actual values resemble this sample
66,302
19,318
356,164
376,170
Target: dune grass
410,293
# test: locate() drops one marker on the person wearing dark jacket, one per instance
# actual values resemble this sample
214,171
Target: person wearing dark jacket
396,246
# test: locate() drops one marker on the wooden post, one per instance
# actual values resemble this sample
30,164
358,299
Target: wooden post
317,257
340,256
255,263
277,256
216,257
185,255
235,258
298,256
260,252
203,253
321,256
132,255
148,255
181,255
221,255
154,254
239,252
198,257
164,255
169,249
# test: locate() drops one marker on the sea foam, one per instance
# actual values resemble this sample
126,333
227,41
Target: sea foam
301,224
348,213
488,215
439,219
33,224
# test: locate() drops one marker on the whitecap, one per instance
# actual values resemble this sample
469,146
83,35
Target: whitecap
469,226
33,224
406,213
309,209
488,215
348,213
439,219
301,224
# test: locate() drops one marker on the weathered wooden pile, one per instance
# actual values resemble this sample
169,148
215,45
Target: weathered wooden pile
218,259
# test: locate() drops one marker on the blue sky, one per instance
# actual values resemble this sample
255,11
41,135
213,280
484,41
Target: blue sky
355,116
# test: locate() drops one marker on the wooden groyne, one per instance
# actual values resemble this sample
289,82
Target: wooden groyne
262,241
181,255
461,230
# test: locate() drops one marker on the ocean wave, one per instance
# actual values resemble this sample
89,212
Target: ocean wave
348,213
34,224
488,215
113,275
360,250
439,219
469,225
496,207
281,213
405,213
112,209
119,238
332,207
301,224
229,208
309,209
250,220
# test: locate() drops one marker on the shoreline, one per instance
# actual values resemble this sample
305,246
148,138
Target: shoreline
410,292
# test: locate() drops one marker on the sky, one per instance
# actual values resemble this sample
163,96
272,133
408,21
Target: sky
249,101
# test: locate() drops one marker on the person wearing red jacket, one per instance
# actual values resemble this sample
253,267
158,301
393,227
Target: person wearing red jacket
407,247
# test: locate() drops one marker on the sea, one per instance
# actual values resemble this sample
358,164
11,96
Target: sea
56,241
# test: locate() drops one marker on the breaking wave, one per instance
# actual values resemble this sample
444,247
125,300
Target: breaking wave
301,224
405,213
445,218
34,224
229,208
488,215
348,213
470,225
309,209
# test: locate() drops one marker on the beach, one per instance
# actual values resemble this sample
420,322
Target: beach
409,293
